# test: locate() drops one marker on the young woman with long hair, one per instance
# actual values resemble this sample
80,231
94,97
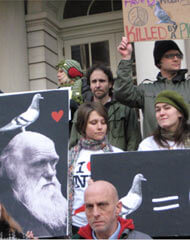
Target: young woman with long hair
173,131
92,124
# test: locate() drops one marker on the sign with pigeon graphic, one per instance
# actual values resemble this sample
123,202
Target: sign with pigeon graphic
34,135
150,20
153,187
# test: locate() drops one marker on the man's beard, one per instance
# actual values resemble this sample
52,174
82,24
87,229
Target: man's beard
103,95
46,203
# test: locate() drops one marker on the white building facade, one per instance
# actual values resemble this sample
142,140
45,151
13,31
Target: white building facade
36,34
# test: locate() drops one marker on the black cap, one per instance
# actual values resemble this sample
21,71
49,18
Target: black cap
161,47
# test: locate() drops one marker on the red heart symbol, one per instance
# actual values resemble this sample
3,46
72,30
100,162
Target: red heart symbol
57,115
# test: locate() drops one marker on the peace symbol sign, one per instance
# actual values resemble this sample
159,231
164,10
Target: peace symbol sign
138,16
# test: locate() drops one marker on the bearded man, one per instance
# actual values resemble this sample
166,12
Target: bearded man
34,195
124,129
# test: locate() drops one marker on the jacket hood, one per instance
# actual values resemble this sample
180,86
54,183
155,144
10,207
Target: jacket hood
178,78
86,231
125,224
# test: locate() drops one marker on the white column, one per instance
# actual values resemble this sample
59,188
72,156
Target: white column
13,57
42,32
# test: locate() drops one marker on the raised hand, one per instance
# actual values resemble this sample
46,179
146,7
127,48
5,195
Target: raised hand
125,49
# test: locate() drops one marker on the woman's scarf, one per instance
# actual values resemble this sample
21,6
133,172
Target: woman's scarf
187,141
88,144
170,136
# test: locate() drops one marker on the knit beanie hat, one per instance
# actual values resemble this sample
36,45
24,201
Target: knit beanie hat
72,68
174,99
161,47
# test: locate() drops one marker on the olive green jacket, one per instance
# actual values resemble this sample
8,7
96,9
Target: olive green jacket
143,96
124,129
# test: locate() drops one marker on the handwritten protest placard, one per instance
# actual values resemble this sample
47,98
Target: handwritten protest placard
149,20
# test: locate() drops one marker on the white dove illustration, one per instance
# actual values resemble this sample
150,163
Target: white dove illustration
162,15
133,199
26,118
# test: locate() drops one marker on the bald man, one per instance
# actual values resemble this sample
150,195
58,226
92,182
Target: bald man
34,197
102,208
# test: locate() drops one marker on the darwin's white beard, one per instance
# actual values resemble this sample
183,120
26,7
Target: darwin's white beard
45,202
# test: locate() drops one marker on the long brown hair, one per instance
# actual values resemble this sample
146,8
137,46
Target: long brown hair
14,226
180,135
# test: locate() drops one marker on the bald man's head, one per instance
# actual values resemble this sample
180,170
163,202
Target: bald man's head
102,208
102,186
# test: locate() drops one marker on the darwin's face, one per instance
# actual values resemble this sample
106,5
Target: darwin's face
36,184
38,165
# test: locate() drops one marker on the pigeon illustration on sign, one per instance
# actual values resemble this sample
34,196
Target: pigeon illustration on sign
162,15
132,201
26,118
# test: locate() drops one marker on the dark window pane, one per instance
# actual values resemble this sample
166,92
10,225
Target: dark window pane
74,8
25,7
100,53
80,53
117,5
100,7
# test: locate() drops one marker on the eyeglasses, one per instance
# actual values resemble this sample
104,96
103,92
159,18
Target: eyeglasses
172,55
